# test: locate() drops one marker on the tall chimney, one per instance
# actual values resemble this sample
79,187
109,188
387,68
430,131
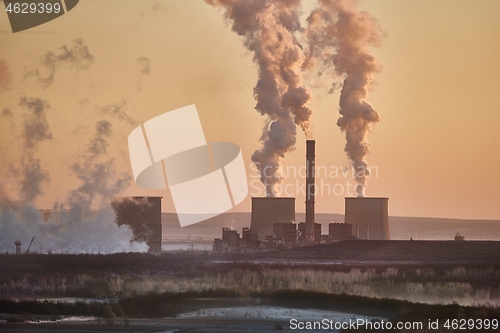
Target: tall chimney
310,188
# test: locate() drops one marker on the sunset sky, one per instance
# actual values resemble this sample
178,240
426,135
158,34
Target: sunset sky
436,148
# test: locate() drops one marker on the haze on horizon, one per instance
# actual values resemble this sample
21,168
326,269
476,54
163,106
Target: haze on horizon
435,148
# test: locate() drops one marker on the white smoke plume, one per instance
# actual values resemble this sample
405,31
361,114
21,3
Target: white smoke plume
119,111
86,223
5,76
268,29
156,8
144,69
36,129
89,224
97,173
339,35
76,56
7,113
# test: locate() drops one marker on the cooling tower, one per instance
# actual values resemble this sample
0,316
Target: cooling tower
370,216
310,184
267,211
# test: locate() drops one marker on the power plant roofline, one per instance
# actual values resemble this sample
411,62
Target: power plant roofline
267,198
377,198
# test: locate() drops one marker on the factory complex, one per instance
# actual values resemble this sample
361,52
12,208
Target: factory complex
273,224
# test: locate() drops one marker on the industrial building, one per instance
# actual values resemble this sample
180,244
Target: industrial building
231,238
286,231
231,241
272,220
340,232
284,235
250,236
143,215
269,210
370,217
302,227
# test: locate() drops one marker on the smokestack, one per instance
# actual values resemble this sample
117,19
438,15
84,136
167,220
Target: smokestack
310,188
17,243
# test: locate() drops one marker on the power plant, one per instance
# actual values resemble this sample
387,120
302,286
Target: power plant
268,211
272,220
370,217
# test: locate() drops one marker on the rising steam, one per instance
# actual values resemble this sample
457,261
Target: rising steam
144,69
86,223
5,77
97,173
36,129
339,35
119,110
268,29
144,64
76,56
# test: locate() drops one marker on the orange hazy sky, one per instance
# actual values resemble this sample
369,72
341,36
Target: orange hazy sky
436,149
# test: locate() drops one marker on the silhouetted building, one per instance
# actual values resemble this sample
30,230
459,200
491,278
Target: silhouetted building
231,241
272,242
302,227
250,236
286,231
218,245
232,238
317,233
143,215
340,231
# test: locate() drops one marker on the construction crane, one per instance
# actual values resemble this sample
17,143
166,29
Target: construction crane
30,244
